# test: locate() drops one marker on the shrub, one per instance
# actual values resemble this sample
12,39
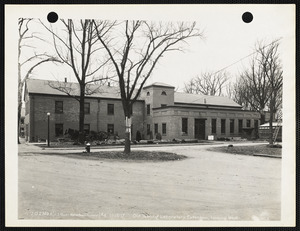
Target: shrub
138,136
158,136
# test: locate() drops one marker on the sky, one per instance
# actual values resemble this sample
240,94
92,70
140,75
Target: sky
226,42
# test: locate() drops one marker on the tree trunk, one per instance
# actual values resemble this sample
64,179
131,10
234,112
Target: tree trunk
19,114
81,137
127,148
262,118
19,120
271,131
20,90
271,122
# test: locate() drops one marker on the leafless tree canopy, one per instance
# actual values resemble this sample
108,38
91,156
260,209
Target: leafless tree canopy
135,47
28,63
76,44
208,83
260,86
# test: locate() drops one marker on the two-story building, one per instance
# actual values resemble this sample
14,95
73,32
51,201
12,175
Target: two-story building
159,109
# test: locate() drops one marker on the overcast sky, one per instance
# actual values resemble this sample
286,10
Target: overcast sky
227,39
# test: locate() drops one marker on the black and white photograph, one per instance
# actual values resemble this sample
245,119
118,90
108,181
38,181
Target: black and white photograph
150,115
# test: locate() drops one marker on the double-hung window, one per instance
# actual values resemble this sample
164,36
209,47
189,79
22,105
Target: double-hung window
110,109
59,109
184,126
164,128
86,108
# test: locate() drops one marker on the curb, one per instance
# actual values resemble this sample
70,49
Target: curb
266,155
122,146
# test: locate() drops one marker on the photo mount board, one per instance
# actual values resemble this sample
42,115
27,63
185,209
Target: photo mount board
236,35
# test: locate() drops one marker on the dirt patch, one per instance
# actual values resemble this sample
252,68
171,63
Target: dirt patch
250,150
120,155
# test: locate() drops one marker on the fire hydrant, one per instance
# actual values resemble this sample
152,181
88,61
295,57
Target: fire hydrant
88,147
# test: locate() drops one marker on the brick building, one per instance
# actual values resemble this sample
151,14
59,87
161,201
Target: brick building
159,109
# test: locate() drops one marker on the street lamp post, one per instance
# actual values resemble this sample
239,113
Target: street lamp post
48,140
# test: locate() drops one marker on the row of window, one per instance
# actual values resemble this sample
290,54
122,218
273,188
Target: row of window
59,129
231,125
184,125
59,109
163,130
162,93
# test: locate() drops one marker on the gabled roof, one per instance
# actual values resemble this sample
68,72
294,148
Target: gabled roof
159,84
186,98
39,86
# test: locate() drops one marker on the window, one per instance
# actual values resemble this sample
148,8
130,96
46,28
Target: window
148,93
148,129
232,126
222,126
86,128
184,125
164,128
110,109
248,123
59,130
240,126
155,128
86,108
22,120
163,93
163,105
110,129
214,126
58,107
148,109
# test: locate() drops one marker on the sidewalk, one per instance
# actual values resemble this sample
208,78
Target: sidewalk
29,147
42,147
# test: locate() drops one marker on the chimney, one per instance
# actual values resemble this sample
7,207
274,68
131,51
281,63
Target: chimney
66,80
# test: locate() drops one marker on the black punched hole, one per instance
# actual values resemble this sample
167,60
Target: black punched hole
247,17
52,17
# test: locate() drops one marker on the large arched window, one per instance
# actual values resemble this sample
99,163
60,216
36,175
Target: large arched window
163,93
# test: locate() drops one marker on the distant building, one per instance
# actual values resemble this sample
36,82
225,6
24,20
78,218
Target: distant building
159,109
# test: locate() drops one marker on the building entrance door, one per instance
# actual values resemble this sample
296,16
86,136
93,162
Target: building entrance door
200,129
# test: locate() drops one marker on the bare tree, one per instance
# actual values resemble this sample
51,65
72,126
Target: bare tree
135,47
260,86
77,46
272,69
27,63
208,83
241,95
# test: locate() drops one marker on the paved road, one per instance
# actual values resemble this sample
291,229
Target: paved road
206,186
